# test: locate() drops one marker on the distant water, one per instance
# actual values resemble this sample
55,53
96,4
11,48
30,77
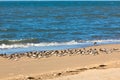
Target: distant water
39,25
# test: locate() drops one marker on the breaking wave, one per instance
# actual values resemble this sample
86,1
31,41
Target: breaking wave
27,43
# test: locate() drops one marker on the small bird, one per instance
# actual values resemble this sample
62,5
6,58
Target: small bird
95,43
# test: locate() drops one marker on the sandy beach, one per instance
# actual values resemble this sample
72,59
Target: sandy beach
59,40
105,65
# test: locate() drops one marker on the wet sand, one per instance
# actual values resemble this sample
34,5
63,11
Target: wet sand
107,74
56,67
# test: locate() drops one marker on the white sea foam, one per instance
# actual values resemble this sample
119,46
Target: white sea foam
73,42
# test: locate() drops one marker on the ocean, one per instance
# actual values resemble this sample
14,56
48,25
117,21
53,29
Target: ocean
49,25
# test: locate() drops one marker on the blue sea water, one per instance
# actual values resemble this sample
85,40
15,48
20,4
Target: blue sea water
46,25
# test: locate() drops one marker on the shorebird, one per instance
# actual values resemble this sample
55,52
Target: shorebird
95,51
95,43
104,50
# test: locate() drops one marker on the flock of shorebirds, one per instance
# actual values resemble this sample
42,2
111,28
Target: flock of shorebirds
69,52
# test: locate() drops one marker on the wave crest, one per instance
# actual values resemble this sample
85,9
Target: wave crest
21,41
17,43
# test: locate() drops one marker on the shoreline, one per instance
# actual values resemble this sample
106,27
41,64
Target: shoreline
89,50
22,48
65,65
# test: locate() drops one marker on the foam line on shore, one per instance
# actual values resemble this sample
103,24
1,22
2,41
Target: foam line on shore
16,48
73,42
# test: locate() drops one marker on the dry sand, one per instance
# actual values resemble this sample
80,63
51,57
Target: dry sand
76,67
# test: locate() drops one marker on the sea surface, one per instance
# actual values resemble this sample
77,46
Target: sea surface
49,25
